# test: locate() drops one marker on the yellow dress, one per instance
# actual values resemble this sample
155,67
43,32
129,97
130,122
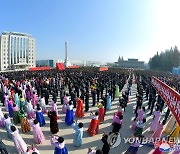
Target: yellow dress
176,131
170,125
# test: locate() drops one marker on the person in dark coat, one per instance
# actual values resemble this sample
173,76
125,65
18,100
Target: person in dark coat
106,147
46,96
3,149
87,101
53,122
73,98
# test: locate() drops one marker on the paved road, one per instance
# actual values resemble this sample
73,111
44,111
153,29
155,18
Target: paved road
88,141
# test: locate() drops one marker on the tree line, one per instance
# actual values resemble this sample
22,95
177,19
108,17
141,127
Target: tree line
166,60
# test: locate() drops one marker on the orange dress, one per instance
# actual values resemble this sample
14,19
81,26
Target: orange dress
94,126
80,109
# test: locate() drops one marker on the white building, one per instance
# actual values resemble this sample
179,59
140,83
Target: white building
17,51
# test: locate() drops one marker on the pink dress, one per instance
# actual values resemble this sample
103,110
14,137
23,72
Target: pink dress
66,101
37,133
54,108
1,118
19,143
155,122
34,100
158,132
6,102
140,113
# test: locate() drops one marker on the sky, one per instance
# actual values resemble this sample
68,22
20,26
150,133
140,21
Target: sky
99,30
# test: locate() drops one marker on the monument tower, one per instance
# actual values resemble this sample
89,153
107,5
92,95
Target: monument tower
66,62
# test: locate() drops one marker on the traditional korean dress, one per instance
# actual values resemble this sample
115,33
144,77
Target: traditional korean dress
37,133
6,101
1,118
108,102
17,101
78,135
60,148
117,91
140,113
10,108
25,127
34,100
94,125
158,132
80,109
43,105
155,122
30,110
54,108
101,113
16,118
40,117
117,123
53,123
19,143
8,124
69,115
66,102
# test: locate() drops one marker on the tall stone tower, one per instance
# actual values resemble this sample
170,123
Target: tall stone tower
66,62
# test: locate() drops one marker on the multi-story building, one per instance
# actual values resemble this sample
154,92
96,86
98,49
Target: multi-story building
17,51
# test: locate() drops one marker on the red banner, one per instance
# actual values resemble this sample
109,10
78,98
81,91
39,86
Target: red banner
169,95
45,68
103,69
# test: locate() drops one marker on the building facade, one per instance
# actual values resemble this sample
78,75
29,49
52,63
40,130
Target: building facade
17,51
130,63
48,62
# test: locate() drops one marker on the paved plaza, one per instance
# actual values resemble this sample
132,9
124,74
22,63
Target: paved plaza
94,142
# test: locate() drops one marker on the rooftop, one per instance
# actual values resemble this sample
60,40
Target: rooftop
15,33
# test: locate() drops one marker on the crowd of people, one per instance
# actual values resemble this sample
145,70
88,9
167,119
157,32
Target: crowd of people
25,96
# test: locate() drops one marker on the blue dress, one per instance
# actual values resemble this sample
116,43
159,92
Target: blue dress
40,118
108,102
10,110
69,117
78,135
61,151
17,101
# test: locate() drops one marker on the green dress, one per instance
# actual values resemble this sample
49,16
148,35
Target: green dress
117,91
16,118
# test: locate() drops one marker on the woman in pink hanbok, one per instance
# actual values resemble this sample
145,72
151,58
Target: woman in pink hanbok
155,122
159,130
30,110
19,143
1,118
37,132
54,108
34,100
66,102
6,97
140,114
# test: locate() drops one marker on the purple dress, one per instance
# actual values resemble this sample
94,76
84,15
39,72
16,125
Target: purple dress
19,143
140,113
155,122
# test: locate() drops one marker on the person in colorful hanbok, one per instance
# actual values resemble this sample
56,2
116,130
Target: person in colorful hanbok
37,132
1,118
94,125
69,114
80,109
54,108
156,119
100,112
6,98
34,99
58,143
43,105
8,125
108,101
39,116
66,102
25,127
16,118
78,127
30,110
17,101
10,107
19,143
117,123
53,122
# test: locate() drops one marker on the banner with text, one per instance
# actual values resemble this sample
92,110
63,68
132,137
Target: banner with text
169,95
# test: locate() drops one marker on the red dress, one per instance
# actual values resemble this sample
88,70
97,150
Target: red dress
101,115
93,127
80,110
